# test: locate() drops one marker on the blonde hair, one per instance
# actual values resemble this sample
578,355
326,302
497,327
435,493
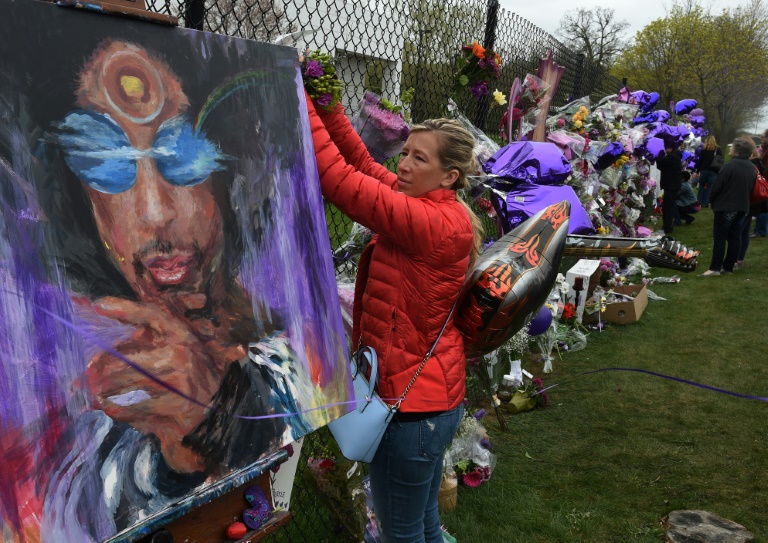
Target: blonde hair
455,149
710,144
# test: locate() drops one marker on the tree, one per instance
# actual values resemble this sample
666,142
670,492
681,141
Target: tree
720,60
595,33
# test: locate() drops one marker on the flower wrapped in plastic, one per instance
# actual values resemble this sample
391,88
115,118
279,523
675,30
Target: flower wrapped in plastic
532,98
339,482
353,246
469,456
485,147
381,126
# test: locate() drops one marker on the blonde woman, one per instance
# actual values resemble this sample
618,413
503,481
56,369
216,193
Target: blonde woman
707,168
408,278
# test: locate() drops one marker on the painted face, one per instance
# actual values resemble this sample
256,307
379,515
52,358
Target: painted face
420,170
152,200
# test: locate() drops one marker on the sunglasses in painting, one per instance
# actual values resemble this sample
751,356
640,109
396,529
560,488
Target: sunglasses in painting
98,151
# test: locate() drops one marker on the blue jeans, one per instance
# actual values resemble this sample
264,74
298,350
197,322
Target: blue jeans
726,230
761,228
706,180
406,474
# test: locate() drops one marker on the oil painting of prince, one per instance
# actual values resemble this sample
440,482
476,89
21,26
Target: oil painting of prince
168,312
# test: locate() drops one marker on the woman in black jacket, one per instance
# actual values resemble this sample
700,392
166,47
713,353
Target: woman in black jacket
730,202
707,168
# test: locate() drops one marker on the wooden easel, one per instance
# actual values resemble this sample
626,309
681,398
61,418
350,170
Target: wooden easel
135,9
207,523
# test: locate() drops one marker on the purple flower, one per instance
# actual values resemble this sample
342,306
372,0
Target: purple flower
485,444
479,414
325,99
479,89
314,69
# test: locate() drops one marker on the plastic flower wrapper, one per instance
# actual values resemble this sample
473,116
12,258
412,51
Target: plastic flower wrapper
469,456
346,289
597,304
485,147
532,97
637,269
566,113
570,143
546,341
339,484
320,79
382,130
570,340
353,247
529,396
477,68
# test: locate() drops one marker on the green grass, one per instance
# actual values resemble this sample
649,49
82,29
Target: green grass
617,451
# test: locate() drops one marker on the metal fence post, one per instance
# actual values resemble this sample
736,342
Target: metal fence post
194,14
490,38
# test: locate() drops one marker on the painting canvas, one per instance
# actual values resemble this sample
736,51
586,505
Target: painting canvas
168,311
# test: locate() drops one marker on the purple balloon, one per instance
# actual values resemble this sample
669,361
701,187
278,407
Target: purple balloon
516,203
685,106
697,120
530,161
652,148
653,117
540,323
697,111
611,152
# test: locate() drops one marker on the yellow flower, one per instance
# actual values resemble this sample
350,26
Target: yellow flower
577,124
499,97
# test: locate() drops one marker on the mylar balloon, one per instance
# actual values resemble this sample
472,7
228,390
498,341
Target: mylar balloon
511,279
540,323
685,106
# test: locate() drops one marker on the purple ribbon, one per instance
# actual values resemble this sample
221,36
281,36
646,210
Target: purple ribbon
671,378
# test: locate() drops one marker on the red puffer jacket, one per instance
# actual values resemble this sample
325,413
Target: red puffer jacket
409,275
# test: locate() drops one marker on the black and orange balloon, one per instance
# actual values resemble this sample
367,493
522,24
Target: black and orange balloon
512,280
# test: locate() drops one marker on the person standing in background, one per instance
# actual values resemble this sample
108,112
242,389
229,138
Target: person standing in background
761,225
671,168
708,167
730,202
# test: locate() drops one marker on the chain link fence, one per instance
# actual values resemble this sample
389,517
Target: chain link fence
389,47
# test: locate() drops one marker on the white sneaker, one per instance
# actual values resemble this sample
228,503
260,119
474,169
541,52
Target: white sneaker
709,273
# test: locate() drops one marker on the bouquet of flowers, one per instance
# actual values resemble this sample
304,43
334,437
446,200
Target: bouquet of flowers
477,67
469,457
531,98
320,80
382,127
340,483
529,396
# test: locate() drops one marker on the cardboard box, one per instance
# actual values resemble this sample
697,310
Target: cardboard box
623,312
589,272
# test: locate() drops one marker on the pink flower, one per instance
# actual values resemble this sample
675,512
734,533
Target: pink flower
560,122
472,479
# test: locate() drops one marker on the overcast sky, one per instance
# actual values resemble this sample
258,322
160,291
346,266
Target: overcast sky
546,14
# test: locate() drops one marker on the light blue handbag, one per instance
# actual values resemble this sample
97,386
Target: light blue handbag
359,432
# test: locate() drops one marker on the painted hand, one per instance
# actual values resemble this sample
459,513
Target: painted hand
188,356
